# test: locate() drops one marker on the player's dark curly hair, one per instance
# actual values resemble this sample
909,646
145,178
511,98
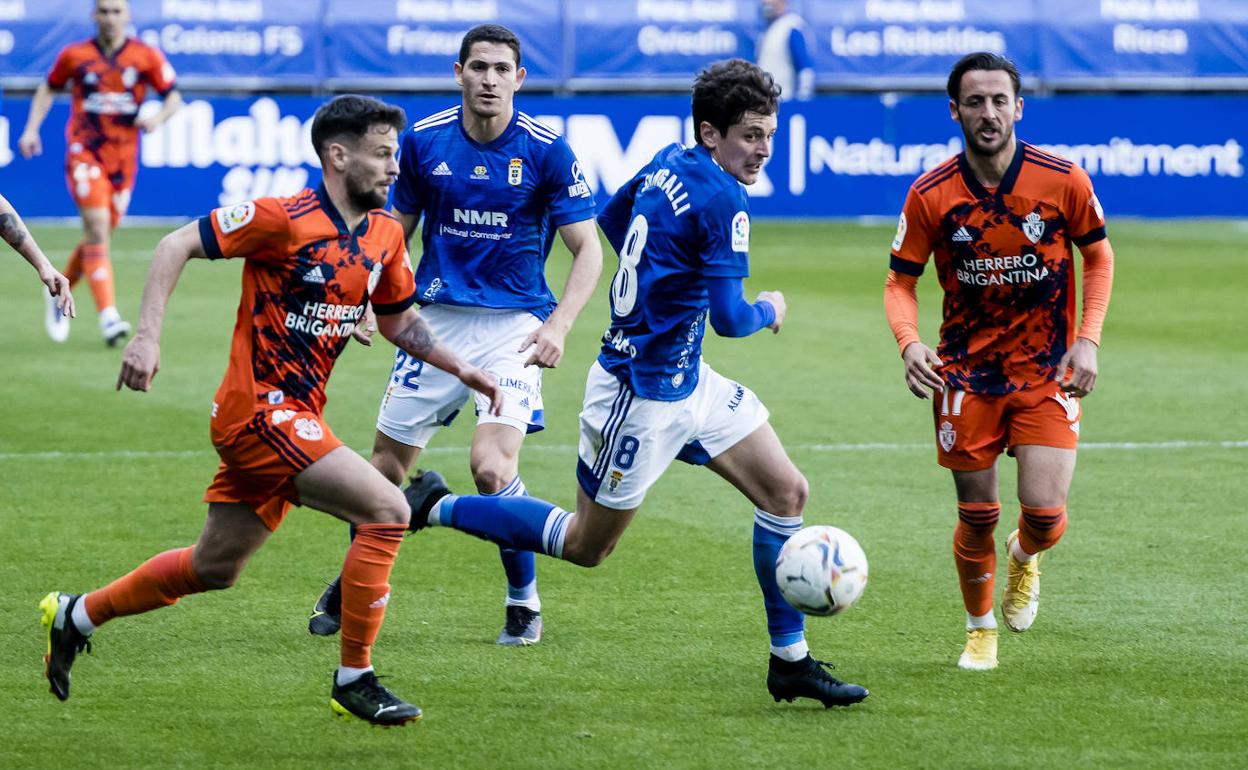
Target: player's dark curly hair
352,115
489,33
982,60
726,90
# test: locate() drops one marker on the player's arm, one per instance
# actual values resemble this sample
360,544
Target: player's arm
169,105
409,332
901,305
547,340
14,232
141,359
29,144
1077,370
733,316
803,65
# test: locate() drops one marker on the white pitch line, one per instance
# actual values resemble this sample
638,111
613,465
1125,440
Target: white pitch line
124,454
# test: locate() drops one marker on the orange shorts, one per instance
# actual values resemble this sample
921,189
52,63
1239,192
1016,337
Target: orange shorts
973,429
96,184
261,457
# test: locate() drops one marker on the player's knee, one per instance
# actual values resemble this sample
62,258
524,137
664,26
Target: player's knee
587,554
491,475
789,498
390,507
218,574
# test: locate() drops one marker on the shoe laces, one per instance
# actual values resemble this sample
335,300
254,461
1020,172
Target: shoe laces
820,669
1025,586
375,690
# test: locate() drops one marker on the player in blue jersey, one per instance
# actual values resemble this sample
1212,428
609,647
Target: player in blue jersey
492,187
681,228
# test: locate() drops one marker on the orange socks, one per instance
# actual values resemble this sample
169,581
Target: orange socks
99,271
157,582
366,588
73,268
1039,529
975,554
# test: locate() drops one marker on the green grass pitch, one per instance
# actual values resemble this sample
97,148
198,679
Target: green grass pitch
658,657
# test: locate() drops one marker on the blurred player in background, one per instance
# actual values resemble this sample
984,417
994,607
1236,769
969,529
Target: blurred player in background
13,231
784,50
492,186
313,262
682,230
111,74
1001,219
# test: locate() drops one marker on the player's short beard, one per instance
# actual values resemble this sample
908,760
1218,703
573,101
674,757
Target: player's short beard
968,135
363,196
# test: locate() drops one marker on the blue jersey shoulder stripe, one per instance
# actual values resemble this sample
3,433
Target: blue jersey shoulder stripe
537,133
436,118
528,120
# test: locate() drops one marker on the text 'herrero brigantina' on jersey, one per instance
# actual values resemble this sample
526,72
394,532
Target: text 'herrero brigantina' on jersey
324,319
995,271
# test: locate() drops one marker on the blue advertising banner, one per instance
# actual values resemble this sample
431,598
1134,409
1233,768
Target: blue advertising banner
836,156
418,40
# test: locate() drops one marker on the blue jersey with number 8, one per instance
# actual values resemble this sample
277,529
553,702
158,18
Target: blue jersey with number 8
681,220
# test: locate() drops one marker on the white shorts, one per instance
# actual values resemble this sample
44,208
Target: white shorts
421,398
627,441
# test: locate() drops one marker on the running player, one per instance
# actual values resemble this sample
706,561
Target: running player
1011,366
313,262
13,231
681,228
493,186
111,74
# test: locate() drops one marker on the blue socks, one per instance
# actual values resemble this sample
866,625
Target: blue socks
520,566
522,523
786,626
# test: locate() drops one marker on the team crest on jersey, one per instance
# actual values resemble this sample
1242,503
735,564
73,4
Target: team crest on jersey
309,429
129,76
515,172
901,232
616,478
480,172
1033,227
233,217
741,232
374,277
947,435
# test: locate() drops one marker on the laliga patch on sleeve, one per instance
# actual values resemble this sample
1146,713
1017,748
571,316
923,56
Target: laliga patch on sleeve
231,218
1096,206
166,72
741,232
901,232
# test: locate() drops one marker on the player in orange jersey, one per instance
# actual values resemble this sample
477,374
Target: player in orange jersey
14,233
1011,366
111,74
313,262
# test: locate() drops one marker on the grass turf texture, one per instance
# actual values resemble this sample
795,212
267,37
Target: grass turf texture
658,657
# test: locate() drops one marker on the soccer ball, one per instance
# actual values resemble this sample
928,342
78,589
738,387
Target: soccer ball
821,570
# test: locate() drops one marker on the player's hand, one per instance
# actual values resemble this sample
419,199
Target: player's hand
366,328
777,301
486,384
1076,372
921,364
546,342
139,363
30,145
58,286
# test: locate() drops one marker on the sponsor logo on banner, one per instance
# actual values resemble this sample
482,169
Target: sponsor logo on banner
1033,227
741,232
232,218
947,435
309,429
515,172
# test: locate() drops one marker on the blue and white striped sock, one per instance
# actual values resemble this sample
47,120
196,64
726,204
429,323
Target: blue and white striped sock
785,625
519,566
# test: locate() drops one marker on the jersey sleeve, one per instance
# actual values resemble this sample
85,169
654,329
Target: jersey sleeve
257,230
916,233
567,194
1084,216
408,196
396,289
724,227
159,72
617,213
62,70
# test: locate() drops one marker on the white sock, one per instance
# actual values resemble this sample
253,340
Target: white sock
534,602
791,652
80,618
1019,554
346,675
435,513
987,620
109,315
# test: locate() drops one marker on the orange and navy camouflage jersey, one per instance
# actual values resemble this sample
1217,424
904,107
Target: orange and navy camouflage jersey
305,285
1005,262
107,93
